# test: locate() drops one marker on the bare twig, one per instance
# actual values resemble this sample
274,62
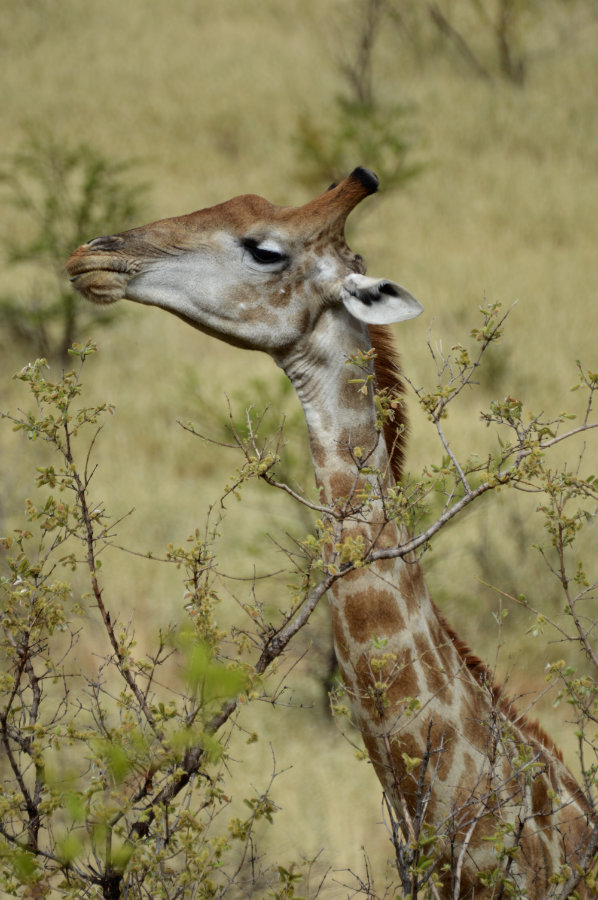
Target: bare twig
584,866
446,28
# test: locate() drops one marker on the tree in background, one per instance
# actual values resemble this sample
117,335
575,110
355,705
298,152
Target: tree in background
67,194
362,127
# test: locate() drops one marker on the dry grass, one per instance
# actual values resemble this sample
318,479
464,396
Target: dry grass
207,96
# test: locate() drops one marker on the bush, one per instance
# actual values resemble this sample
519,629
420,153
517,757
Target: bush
68,194
115,771
361,126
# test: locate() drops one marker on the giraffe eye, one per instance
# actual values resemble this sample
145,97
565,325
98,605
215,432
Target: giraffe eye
264,252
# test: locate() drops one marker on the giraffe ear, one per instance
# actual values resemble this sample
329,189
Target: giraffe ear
378,301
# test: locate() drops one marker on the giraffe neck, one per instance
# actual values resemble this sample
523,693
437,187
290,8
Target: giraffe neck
338,417
391,650
426,719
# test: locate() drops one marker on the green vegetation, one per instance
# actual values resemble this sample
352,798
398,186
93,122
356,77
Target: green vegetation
116,770
68,194
212,98
362,126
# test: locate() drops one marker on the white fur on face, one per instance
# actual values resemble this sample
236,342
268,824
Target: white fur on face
236,289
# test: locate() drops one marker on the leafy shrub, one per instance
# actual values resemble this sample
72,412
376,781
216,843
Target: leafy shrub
68,194
115,768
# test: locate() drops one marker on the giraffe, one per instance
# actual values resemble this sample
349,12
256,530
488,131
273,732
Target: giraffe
455,760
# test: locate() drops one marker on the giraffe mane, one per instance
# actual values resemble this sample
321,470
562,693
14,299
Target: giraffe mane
483,676
389,379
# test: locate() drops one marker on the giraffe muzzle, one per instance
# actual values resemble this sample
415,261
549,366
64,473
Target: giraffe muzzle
100,271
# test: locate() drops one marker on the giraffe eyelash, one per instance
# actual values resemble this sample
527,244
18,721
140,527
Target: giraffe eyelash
264,252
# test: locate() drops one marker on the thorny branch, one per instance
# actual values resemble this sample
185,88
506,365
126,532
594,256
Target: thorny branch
406,830
123,665
584,865
264,457
273,648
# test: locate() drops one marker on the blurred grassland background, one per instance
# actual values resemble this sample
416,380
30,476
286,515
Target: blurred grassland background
211,99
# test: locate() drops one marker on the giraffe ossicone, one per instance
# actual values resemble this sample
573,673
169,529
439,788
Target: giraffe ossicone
446,746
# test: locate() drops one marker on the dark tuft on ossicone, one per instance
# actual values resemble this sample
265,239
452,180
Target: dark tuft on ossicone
368,179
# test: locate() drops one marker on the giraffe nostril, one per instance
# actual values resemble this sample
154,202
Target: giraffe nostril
105,242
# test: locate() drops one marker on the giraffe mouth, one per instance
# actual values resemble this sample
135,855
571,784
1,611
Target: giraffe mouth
99,274
101,286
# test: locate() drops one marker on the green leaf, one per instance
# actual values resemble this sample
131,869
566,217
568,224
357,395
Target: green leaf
212,681
69,848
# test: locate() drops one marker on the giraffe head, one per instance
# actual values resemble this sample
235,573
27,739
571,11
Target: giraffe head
251,273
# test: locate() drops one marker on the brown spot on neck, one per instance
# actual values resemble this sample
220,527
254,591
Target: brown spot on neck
371,613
